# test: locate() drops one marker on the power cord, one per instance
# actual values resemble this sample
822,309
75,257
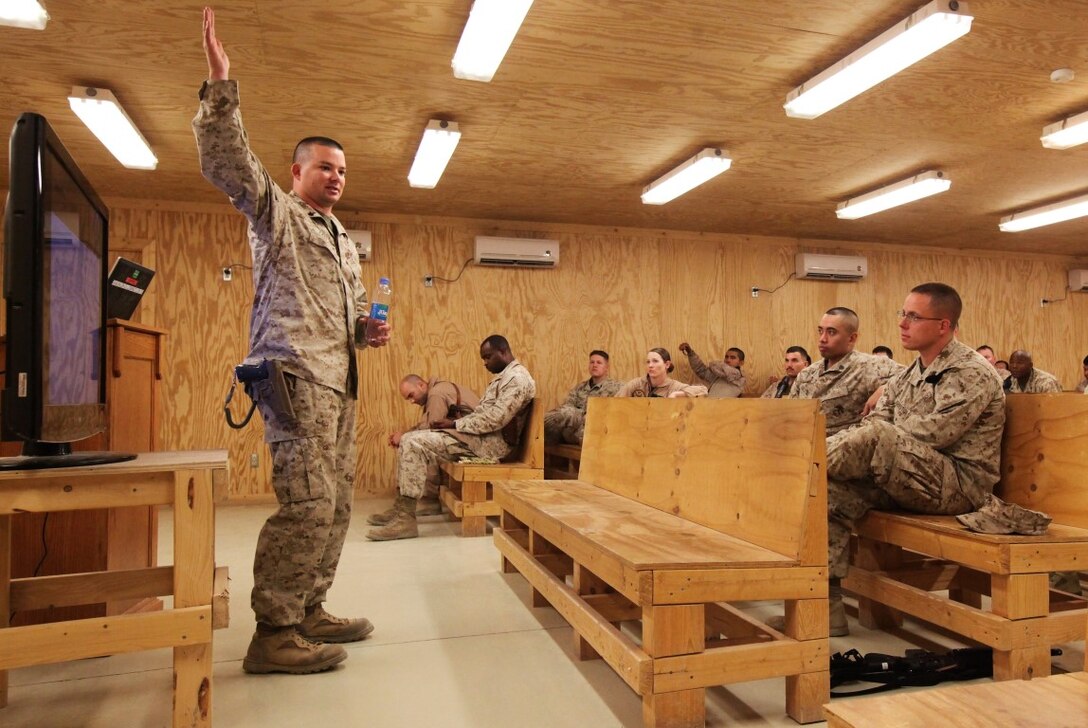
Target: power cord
41,561
756,290
453,280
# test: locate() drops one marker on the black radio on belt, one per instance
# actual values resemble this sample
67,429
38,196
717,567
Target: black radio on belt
246,373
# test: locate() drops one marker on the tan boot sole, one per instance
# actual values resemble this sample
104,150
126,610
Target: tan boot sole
263,668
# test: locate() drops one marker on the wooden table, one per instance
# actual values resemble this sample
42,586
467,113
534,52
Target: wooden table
183,480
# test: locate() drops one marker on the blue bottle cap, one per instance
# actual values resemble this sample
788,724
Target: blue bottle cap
383,281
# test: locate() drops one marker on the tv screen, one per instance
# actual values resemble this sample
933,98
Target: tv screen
55,246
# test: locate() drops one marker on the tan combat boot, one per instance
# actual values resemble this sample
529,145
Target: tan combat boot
380,519
320,626
283,649
403,524
429,507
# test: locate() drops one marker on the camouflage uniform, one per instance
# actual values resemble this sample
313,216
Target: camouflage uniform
642,387
843,388
1039,382
307,296
442,397
778,389
567,422
932,445
724,381
478,434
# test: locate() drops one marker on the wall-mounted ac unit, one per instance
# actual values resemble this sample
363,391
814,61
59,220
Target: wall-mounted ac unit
1078,279
363,241
831,267
516,252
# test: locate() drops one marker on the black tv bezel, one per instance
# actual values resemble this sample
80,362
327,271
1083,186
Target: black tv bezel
31,138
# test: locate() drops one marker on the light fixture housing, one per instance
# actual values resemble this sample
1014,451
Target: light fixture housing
1066,133
924,184
99,109
704,166
925,31
491,27
1045,215
440,138
23,14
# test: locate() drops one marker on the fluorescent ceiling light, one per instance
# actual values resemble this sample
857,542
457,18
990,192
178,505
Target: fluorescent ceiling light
927,30
705,165
1045,215
1066,133
23,14
491,27
103,115
439,140
899,193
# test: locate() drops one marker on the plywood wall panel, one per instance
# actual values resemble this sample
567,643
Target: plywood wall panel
621,290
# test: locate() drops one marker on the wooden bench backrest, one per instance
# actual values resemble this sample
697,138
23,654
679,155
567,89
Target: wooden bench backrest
754,469
1044,455
530,449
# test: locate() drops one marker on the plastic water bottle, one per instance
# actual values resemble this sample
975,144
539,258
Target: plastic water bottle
379,308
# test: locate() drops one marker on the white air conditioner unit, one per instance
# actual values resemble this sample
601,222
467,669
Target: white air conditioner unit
1078,279
831,267
516,252
363,241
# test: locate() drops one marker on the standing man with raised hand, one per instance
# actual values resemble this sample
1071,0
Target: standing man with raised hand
309,315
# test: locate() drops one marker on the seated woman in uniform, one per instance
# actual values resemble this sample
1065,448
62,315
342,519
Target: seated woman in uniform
656,383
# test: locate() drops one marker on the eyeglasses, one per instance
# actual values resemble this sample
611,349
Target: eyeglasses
914,318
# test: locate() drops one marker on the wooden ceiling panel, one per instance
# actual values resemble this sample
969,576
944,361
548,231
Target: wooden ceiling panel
594,100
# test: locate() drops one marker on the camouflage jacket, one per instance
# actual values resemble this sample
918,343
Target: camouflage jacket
505,398
957,407
842,389
580,394
306,275
441,396
641,387
723,380
1038,383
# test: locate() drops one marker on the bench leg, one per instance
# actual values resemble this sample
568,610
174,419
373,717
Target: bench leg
1022,664
683,709
877,556
667,631
1021,596
473,491
805,695
586,582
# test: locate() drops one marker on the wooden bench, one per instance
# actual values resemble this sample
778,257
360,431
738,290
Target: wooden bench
1058,700
905,563
682,507
467,492
561,461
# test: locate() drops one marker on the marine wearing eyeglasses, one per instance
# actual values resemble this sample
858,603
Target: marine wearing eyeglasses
931,445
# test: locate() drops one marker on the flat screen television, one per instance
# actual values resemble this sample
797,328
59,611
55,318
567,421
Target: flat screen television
55,245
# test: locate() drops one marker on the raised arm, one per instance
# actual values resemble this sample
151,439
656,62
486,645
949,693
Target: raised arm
218,63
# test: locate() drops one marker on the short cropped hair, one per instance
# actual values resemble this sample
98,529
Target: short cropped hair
1086,361
944,298
990,349
497,342
598,352
848,316
302,149
883,350
413,379
800,350
738,352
